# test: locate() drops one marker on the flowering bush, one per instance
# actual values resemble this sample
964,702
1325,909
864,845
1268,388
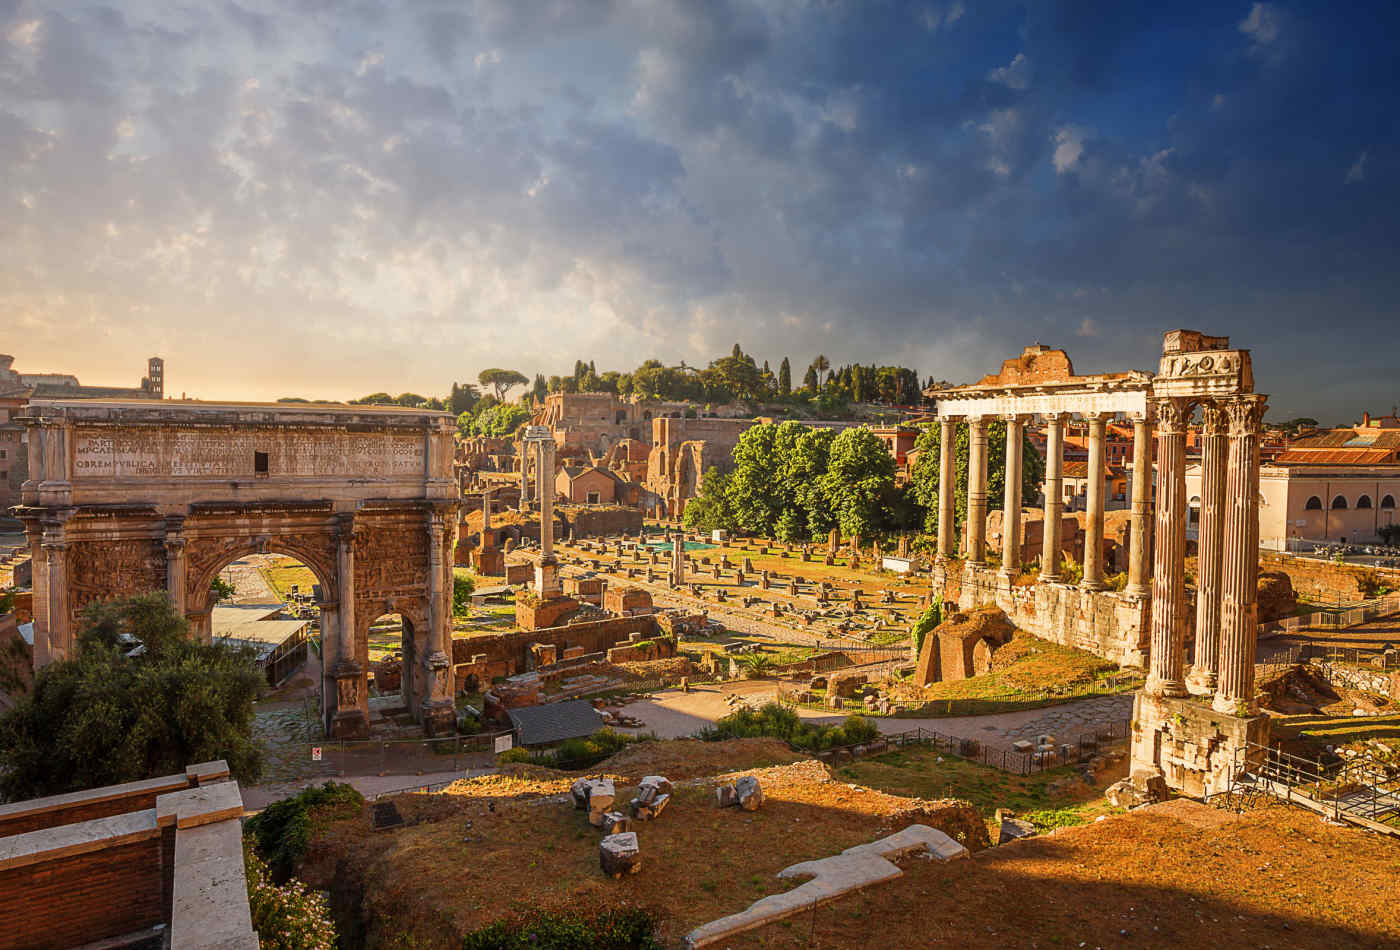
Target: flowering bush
289,917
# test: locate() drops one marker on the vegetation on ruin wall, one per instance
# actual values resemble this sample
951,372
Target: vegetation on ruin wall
622,929
924,477
282,831
104,717
796,483
781,722
288,916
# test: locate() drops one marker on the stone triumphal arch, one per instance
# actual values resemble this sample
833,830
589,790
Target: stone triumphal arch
129,496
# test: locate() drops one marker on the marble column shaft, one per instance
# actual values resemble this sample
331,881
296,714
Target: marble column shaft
1052,527
175,564
1011,499
1139,564
544,485
437,618
1210,541
56,566
1094,503
947,449
1167,660
1239,577
977,492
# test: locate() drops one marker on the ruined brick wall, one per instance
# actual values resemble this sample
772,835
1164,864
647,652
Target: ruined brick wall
1325,581
600,522
512,649
83,898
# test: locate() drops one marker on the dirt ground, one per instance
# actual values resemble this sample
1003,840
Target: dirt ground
498,844
1172,876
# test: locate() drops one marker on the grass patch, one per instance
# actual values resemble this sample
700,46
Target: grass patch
283,573
781,722
1026,673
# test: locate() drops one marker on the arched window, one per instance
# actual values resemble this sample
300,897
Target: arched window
1364,501
1339,503
1388,501
1314,504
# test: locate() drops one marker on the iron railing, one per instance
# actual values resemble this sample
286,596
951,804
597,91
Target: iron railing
1359,788
338,757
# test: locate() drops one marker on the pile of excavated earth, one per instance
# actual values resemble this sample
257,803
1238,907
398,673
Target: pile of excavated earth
732,844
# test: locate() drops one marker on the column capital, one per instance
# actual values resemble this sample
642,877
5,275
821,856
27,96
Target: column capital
1245,414
54,545
1173,414
345,525
1017,417
1095,416
1054,418
1213,419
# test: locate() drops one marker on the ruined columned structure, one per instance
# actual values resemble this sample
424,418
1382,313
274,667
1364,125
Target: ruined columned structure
132,496
1189,732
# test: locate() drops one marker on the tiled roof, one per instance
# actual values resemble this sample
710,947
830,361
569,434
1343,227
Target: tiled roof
1349,438
1342,456
554,722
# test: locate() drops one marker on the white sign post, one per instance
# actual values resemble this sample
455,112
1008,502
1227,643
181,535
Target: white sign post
315,753
504,743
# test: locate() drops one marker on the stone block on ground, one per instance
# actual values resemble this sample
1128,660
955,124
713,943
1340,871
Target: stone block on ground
659,782
726,796
615,822
619,854
601,796
1013,829
750,795
1131,794
579,792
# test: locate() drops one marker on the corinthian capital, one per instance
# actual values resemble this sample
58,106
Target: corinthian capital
1213,419
1172,414
1245,414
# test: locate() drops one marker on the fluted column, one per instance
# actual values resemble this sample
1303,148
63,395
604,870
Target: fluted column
1139,570
1166,661
524,477
947,449
544,486
437,711
977,491
1093,522
1052,528
1210,540
1011,499
1239,579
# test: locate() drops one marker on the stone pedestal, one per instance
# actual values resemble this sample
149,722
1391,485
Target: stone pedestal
1195,749
350,719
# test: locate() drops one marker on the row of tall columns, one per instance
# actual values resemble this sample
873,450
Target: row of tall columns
974,543
1227,554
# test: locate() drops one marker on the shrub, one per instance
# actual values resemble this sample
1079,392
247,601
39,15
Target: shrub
574,753
462,588
780,722
282,830
626,929
287,917
930,619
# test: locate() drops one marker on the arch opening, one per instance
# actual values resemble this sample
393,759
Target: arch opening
1339,503
1364,501
1314,504
271,603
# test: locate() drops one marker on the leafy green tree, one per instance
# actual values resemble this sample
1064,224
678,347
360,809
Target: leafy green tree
112,714
754,491
810,381
858,481
500,420
462,588
540,390
785,378
374,399
925,475
501,381
463,398
821,364
805,467
709,509
222,589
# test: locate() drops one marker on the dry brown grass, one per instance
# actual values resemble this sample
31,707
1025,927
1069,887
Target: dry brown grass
491,847
1179,875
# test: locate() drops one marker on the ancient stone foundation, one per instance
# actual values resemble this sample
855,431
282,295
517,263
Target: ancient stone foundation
1197,749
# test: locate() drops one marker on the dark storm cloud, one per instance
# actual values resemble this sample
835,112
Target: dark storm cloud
432,187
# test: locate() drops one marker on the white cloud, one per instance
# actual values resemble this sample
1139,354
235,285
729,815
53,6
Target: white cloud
1357,172
1087,327
1262,25
1069,148
1014,75
490,57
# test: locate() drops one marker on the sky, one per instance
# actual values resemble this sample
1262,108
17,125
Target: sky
326,198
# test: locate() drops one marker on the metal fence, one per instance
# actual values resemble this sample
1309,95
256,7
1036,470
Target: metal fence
1377,657
1335,618
338,757
289,655
1359,788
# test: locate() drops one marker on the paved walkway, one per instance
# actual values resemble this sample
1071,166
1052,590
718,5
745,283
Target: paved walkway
258,797
672,714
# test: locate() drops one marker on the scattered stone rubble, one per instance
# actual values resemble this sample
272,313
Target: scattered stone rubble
619,854
653,794
745,793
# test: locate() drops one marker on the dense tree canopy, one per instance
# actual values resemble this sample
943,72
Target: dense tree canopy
113,713
501,381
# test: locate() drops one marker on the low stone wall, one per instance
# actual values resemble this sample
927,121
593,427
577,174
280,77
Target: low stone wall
1327,581
607,522
1109,624
640,652
1376,682
506,654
